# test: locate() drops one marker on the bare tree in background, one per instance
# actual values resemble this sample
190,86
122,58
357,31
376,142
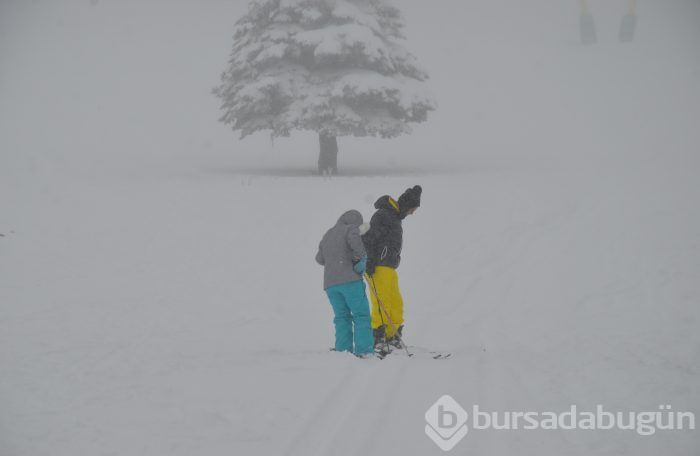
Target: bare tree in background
335,67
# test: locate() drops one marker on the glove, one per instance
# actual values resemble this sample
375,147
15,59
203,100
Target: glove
361,265
370,267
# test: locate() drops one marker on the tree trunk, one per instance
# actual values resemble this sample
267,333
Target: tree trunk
328,154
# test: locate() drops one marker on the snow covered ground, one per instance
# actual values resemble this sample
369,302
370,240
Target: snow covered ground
158,294
183,314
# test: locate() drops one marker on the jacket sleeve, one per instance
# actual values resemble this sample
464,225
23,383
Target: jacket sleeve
355,243
319,257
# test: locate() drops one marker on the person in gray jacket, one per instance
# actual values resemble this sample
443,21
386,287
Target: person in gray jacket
343,256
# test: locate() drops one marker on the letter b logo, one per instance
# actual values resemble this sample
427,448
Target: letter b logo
441,418
446,423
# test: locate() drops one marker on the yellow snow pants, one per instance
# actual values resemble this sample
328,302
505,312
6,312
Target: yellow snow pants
385,283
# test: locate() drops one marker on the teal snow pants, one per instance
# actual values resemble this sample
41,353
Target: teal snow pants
351,310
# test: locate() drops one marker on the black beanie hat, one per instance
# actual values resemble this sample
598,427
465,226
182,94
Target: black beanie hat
410,198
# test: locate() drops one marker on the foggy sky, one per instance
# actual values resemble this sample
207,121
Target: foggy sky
84,82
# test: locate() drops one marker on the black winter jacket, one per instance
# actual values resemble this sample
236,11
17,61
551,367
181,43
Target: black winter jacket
384,239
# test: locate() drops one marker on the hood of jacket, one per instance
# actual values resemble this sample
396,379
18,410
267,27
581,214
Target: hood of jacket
351,217
390,204
387,202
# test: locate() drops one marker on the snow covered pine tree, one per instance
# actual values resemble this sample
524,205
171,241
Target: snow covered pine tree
336,67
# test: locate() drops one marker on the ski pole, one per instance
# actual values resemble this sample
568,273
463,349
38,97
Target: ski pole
381,305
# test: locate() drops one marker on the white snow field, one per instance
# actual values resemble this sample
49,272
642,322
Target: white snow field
158,290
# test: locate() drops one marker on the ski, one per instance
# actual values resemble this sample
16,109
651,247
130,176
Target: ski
415,352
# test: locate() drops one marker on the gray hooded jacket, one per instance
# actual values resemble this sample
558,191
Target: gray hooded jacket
340,248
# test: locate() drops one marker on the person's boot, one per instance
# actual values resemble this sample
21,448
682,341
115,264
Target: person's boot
370,355
395,341
380,339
